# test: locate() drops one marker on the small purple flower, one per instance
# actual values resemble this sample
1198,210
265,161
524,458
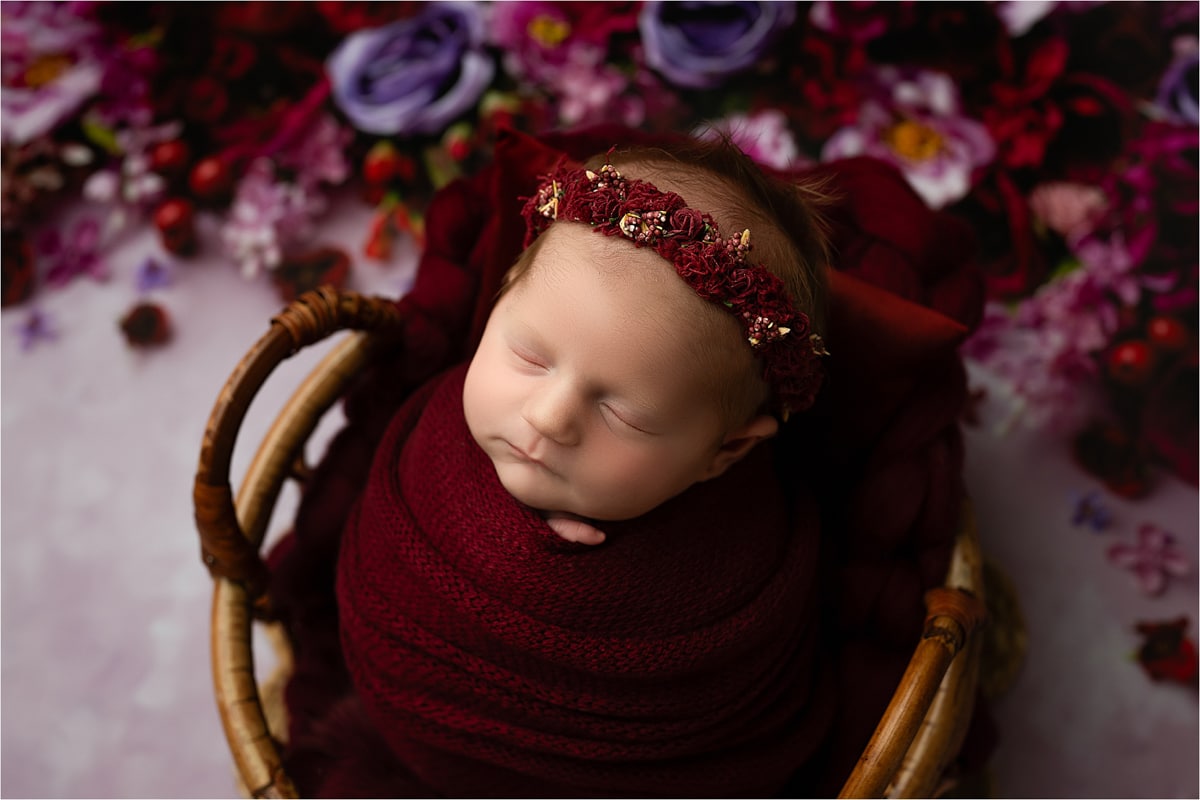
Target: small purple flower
1178,90
153,275
412,76
76,253
1152,560
698,44
919,128
1090,510
36,328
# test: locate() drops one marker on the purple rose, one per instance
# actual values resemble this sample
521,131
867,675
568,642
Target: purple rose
697,44
415,75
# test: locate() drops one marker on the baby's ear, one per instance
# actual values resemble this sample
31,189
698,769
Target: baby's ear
739,442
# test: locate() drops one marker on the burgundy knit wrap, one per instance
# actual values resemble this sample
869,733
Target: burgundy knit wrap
678,658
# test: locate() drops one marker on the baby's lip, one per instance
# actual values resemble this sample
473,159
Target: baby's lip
524,455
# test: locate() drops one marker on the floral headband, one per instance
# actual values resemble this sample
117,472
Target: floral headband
717,269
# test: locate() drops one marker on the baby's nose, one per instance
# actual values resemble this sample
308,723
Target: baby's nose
553,412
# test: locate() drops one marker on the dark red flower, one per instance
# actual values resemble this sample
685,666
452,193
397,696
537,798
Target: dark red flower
146,325
298,274
345,16
18,268
1169,417
1166,654
688,223
1107,451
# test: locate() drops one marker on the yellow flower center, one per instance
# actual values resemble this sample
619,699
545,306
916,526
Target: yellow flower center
46,69
913,140
548,31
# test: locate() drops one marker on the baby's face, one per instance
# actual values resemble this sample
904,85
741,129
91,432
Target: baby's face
586,391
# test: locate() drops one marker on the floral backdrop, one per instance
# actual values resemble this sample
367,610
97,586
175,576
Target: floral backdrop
1066,133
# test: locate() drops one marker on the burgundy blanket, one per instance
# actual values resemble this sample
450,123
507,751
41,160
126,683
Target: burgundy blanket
881,451
677,659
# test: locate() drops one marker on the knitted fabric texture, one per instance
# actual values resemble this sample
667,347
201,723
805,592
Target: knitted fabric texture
678,658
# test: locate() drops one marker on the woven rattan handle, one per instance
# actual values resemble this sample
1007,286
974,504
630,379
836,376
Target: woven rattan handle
952,615
226,550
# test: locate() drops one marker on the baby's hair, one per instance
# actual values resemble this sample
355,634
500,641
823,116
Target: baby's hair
788,232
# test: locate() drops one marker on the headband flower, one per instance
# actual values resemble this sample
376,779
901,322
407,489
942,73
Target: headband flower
718,269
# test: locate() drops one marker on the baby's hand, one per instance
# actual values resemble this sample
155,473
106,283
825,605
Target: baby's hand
573,528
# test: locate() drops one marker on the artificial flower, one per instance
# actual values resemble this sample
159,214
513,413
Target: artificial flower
919,129
1069,209
1107,451
1166,654
698,44
1019,16
1152,559
74,252
153,274
1090,509
539,38
35,328
19,268
1177,91
415,75
297,274
858,22
50,68
146,325
764,136
1170,415
266,217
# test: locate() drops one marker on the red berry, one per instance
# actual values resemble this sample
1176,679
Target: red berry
211,179
1167,333
1131,362
169,158
175,220
381,164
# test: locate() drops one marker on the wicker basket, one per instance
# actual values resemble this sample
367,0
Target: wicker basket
919,735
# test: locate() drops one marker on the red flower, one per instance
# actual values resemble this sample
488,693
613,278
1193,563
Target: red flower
146,325
1169,418
296,275
1166,654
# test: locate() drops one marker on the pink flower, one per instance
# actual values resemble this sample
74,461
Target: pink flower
266,217
540,38
857,21
1069,209
919,129
1153,559
763,135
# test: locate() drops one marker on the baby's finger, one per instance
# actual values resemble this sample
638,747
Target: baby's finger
575,530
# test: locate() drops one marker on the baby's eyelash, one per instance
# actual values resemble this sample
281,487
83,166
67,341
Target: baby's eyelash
528,358
624,421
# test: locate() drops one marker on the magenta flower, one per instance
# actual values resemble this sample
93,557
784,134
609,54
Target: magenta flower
73,253
1152,560
856,21
540,38
918,128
